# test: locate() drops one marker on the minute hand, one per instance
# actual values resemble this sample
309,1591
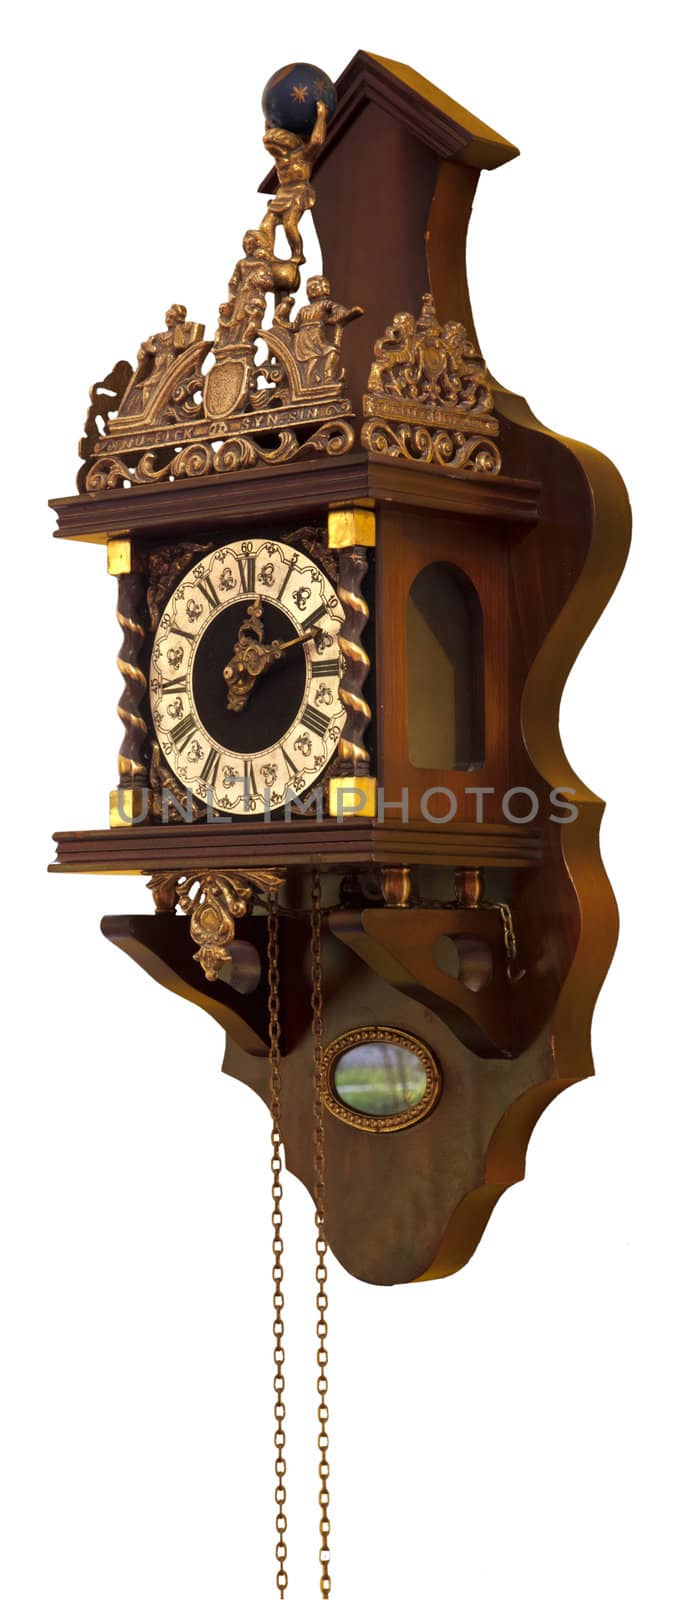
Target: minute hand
312,633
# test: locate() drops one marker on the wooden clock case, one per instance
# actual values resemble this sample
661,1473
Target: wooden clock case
538,547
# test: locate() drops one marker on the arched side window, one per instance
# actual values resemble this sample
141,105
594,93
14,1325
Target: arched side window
445,670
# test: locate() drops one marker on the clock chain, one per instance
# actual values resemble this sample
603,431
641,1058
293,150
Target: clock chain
320,1195
277,1242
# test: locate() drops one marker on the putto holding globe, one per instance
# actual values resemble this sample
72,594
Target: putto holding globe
304,353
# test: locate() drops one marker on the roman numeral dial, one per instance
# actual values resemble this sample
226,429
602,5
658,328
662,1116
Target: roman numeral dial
268,610
315,720
182,734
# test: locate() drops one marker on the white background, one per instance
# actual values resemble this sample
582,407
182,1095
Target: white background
517,1429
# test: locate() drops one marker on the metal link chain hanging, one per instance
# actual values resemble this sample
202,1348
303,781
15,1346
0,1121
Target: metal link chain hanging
320,1195
509,939
277,1243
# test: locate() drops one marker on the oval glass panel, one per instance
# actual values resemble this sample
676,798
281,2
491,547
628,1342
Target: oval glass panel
380,1079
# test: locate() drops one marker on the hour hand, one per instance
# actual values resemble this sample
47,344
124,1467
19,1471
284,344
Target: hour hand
252,658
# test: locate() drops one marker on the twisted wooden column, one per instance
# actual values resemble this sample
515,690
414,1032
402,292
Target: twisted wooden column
129,801
131,616
353,756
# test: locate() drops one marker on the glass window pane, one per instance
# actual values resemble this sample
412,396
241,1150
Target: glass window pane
445,671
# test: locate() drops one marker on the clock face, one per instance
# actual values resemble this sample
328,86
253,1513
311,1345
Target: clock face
244,683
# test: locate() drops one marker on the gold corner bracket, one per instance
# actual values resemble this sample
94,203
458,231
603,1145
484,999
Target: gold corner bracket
348,526
119,555
213,901
352,797
128,806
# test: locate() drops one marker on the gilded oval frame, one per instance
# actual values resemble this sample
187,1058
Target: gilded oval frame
394,1122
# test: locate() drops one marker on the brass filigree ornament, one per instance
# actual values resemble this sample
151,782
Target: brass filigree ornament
165,565
164,788
105,397
314,542
428,395
213,901
180,418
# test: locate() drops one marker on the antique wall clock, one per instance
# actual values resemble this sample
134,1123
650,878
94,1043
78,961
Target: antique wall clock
353,574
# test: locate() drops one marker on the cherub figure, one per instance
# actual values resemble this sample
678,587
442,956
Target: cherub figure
294,158
318,333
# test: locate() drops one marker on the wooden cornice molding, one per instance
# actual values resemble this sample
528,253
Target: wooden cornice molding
280,492
448,129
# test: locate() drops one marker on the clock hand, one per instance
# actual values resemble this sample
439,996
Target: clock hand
249,660
252,658
312,633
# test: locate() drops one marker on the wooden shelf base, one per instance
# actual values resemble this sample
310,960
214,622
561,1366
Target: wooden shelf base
337,846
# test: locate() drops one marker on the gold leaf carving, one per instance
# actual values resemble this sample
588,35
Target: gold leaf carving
166,563
213,901
428,396
105,398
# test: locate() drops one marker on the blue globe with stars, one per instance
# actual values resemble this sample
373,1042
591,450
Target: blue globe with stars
290,98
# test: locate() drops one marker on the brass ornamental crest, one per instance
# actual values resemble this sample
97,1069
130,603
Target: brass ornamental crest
174,417
428,395
193,406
